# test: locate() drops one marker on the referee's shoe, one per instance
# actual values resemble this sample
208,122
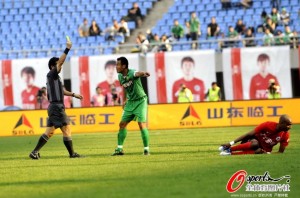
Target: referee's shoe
34,155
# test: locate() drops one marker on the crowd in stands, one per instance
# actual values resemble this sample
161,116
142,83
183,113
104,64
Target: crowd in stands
273,30
118,28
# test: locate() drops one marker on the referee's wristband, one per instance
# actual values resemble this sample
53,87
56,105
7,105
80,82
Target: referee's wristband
73,94
231,143
66,51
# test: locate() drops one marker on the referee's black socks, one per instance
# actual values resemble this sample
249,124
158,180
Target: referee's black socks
69,145
42,141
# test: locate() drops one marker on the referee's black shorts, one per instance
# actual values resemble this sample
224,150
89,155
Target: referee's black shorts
57,116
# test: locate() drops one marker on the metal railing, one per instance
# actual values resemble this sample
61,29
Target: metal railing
219,44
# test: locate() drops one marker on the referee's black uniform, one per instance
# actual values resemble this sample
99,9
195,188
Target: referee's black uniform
56,109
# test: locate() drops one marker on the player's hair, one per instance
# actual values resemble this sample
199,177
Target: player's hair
213,83
110,62
123,60
28,70
263,57
98,88
188,59
52,62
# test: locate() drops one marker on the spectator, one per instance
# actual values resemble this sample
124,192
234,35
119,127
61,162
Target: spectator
187,31
226,4
246,3
288,35
240,27
83,29
42,99
250,42
213,28
114,30
177,30
275,3
150,36
184,94
112,97
214,93
135,14
275,16
142,44
194,29
263,18
284,17
155,43
268,38
94,29
233,36
124,28
279,40
273,91
270,25
98,100
165,44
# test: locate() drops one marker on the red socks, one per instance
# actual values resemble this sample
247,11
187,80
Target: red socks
241,147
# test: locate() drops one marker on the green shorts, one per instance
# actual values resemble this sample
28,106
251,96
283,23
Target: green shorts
135,110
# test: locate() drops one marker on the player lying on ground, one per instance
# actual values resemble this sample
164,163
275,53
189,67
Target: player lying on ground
262,139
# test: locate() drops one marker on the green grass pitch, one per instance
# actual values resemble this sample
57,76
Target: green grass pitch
183,163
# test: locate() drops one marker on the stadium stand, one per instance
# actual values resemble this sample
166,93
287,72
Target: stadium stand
224,17
41,25
28,26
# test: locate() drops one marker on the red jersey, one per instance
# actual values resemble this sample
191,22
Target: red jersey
196,86
29,99
268,137
105,87
259,85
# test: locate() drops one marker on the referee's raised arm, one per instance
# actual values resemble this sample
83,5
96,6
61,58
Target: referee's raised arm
62,58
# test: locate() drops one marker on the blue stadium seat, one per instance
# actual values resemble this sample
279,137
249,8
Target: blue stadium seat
8,5
13,11
27,4
108,50
18,4
18,17
22,11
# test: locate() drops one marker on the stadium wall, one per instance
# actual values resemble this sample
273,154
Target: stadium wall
160,116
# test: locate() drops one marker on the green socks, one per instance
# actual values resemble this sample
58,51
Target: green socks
145,137
121,136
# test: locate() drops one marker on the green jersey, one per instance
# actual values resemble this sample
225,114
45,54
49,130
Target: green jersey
132,85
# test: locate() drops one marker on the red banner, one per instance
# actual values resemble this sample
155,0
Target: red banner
84,80
161,78
237,87
7,83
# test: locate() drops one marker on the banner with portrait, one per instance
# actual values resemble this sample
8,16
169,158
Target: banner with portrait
250,73
171,70
21,80
90,72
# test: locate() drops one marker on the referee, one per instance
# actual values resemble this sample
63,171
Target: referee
57,117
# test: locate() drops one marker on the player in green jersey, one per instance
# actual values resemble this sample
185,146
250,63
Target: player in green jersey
135,104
